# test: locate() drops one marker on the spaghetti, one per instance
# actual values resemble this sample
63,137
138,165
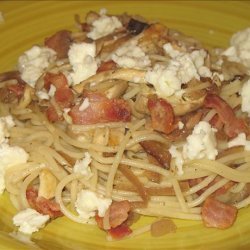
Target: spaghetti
134,119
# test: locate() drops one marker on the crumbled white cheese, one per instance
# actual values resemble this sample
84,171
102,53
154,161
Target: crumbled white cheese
30,221
179,161
82,59
6,123
240,140
10,156
245,95
88,203
201,143
182,68
180,125
164,79
239,51
173,53
131,56
33,63
85,104
52,90
42,94
1,17
82,166
103,26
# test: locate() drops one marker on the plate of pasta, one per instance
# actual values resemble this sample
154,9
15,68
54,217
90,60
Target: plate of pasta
124,127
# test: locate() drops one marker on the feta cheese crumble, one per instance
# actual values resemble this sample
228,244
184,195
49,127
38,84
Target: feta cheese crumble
180,125
88,203
33,63
179,161
52,90
5,124
10,156
85,104
131,56
239,51
82,166
182,68
29,221
42,94
245,95
82,59
103,26
240,140
200,144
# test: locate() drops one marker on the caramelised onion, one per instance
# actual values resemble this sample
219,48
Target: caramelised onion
162,227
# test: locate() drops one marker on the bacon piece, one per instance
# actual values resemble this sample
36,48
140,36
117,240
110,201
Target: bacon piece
118,212
162,115
52,114
101,109
63,95
119,232
42,205
17,89
109,65
217,214
158,151
60,42
232,125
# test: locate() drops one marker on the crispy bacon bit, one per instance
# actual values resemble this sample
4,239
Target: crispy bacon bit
52,114
232,125
42,205
162,115
217,214
101,109
118,212
17,89
60,42
158,151
63,95
109,65
119,232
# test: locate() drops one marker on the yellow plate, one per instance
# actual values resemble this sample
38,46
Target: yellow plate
27,23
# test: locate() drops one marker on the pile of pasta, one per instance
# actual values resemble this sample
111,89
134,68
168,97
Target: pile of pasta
128,132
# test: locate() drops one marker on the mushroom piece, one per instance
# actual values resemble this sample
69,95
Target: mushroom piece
187,102
117,90
119,74
48,183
